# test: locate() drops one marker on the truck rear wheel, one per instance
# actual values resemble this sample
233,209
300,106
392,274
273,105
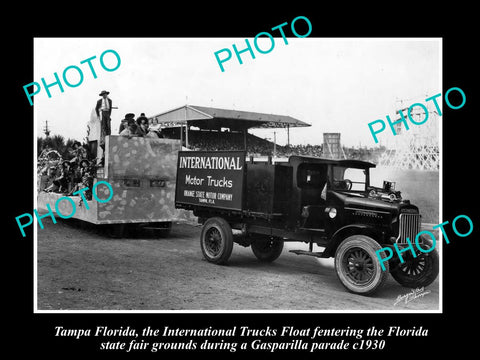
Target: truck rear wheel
216,240
357,265
420,271
266,248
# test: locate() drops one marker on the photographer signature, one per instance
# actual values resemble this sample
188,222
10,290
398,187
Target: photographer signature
412,295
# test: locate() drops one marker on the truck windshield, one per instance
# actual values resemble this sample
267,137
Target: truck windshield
350,179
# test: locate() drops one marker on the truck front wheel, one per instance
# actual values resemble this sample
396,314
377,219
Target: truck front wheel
267,249
216,240
357,265
419,271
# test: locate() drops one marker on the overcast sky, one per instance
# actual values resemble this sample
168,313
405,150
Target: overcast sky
335,84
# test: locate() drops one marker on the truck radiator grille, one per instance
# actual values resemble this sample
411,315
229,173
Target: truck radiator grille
409,226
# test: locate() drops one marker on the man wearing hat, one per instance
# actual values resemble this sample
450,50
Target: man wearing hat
103,110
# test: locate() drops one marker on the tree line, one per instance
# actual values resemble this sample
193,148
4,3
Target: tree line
58,143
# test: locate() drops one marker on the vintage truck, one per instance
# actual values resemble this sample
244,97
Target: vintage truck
325,202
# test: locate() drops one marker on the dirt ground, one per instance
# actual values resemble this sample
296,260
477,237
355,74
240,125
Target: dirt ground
81,268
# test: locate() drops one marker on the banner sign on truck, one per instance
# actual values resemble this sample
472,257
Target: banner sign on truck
210,178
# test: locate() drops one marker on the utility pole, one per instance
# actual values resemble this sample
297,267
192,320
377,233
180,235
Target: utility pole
46,130
274,144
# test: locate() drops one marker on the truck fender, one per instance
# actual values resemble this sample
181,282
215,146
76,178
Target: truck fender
349,230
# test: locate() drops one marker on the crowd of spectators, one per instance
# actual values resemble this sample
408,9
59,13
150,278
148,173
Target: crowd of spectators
213,140
231,140
66,176
256,146
302,149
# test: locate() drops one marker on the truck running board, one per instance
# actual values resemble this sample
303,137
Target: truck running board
309,253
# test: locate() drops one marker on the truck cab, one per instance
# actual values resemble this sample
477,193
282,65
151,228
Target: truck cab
332,194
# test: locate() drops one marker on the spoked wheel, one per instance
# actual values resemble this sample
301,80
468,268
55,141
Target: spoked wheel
213,242
216,240
266,248
357,265
417,271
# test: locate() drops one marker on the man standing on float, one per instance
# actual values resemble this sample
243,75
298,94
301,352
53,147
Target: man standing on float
103,110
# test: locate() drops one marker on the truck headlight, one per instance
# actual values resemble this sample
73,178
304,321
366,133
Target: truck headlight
332,213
